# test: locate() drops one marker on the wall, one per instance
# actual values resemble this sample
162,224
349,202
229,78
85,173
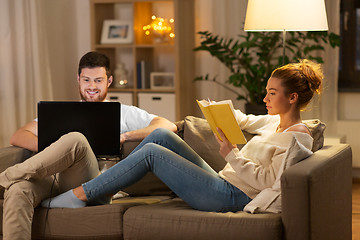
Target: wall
349,122
68,35
225,18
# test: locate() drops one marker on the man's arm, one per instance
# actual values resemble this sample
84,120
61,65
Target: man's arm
140,134
26,137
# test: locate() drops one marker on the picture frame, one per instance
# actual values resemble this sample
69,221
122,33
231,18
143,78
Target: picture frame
162,80
117,31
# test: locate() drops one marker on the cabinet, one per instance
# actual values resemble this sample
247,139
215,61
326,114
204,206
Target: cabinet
162,55
158,103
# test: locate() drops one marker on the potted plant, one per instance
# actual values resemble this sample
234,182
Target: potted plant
252,60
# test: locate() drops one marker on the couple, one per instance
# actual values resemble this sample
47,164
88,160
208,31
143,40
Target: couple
248,172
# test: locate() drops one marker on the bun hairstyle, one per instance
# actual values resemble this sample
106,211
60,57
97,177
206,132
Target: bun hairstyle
304,78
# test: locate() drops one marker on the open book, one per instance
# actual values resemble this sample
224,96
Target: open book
222,115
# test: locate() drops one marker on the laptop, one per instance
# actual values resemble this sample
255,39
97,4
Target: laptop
98,121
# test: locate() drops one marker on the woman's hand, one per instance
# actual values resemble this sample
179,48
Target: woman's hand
225,145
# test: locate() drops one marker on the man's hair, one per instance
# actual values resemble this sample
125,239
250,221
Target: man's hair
93,60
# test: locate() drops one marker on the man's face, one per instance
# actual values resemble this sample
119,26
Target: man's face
93,84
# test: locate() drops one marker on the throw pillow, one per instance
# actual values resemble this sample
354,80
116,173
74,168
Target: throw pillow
317,129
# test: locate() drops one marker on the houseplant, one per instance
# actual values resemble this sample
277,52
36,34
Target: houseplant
253,57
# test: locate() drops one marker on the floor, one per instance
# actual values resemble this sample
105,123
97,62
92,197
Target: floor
356,210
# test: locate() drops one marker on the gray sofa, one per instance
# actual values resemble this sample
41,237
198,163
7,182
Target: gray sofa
316,201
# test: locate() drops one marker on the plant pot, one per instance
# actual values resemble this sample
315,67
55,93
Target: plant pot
256,109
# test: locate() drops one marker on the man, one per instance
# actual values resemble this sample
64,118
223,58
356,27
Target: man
22,196
94,78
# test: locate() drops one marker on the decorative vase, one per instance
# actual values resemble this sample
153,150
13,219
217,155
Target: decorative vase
121,76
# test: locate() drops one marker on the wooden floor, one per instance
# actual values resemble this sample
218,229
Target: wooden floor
356,210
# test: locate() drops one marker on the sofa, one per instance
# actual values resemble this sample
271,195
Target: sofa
316,200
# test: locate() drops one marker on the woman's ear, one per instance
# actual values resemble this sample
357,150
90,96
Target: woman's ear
294,97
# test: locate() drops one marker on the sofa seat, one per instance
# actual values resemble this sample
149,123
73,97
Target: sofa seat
92,222
176,220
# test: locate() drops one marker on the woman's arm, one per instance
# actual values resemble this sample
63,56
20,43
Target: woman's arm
256,124
258,163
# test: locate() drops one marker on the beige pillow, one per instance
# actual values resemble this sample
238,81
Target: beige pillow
317,129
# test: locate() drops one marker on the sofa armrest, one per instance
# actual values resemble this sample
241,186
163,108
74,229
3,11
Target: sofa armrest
316,195
11,155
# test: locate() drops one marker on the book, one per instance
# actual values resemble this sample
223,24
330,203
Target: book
143,70
138,75
222,115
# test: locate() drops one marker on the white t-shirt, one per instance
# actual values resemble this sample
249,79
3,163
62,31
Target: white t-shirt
132,118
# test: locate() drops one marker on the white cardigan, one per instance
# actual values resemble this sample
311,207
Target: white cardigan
256,168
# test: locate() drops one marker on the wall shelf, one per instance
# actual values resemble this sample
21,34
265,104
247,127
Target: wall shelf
175,55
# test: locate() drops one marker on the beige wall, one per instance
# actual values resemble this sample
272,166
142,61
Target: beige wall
349,122
68,35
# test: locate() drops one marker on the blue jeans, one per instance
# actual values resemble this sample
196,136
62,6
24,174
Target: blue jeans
178,166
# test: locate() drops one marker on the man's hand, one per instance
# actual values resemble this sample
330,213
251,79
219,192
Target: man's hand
225,145
123,138
140,134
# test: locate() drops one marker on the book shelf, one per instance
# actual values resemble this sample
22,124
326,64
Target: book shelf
172,55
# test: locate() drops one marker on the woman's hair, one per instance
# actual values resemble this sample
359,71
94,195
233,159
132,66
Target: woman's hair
303,78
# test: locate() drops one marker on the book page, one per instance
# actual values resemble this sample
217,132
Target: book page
222,115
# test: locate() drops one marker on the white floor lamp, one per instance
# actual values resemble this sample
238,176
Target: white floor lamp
286,15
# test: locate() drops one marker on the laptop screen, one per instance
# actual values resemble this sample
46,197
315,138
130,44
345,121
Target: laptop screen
98,121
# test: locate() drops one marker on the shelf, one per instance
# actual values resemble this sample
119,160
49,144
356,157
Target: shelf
114,46
141,90
175,55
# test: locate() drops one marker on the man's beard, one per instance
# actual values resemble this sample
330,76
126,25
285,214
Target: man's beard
100,96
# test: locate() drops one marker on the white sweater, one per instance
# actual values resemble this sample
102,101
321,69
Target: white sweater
257,167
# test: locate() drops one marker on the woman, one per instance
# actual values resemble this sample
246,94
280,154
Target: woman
282,139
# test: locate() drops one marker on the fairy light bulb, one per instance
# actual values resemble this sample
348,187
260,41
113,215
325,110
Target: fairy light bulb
160,28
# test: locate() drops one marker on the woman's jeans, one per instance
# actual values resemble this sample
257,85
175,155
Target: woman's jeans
178,166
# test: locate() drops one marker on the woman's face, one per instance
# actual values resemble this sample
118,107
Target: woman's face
276,100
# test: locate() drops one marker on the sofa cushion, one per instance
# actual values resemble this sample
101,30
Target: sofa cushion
317,129
176,220
92,222
198,135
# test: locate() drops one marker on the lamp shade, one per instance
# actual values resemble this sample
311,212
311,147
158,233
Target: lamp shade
288,15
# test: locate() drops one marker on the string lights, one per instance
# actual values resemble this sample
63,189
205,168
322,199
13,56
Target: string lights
161,28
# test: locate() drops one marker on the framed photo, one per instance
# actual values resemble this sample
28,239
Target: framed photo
162,80
117,31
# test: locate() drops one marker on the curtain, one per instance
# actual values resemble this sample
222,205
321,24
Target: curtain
325,107
24,65
225,18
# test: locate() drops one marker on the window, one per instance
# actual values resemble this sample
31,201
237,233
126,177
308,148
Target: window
349,69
